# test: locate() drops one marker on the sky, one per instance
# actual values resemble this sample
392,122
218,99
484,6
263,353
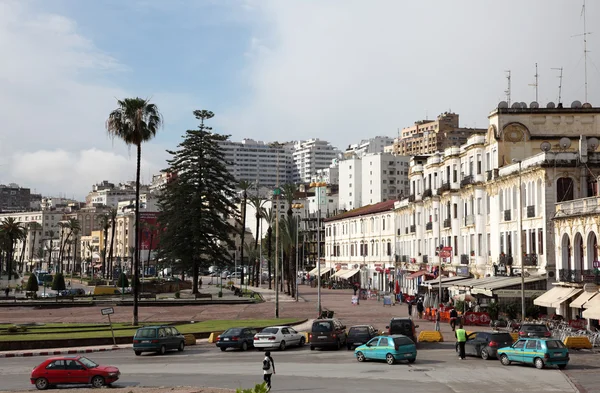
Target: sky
338,70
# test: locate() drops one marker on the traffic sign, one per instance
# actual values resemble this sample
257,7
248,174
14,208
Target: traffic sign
107,311
277,191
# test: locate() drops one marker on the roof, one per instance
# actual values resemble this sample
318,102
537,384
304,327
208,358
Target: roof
365,210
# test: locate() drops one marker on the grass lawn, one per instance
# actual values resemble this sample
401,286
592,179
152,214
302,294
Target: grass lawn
125,330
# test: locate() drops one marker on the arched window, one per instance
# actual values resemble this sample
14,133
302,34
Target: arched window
389,248
564,189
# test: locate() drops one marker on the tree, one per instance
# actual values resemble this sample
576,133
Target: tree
243,186
10,232
34,227
112,214
197,206
289,228
105,226
22,258
135,121
58,284
50,246
32,284
270,215
69,227
257,203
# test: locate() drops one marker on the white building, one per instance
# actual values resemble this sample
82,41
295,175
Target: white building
330,175
311,155
107,194
369,146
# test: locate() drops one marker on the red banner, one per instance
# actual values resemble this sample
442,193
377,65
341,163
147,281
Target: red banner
476,318
578,324
148,230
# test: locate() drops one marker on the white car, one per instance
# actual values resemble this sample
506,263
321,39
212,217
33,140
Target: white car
278,337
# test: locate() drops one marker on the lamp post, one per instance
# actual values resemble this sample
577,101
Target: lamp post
276,193
318,186
520,241
297,206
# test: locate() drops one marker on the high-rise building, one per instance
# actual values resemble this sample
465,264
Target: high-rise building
310,156
14,198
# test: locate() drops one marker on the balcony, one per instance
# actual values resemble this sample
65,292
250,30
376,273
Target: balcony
443,188
466,180
577,207
530,260
447,223
411,198
427,193
470,220
464,259
425,259
413,228
429,226
493,174
506,215
579,276
504,259
530,211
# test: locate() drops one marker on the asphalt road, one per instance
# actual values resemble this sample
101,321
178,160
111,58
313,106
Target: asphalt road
437,369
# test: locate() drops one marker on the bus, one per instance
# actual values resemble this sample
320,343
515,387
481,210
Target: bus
43,277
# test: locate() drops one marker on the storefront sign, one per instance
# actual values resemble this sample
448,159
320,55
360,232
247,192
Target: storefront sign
477,318
517,292
578,323
462,271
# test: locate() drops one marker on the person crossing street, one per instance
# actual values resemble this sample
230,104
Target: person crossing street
268,369
461,339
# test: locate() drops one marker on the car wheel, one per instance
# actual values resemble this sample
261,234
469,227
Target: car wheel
282,346
539,363
41,383
338,345
504,360
390,359
360,357
97,381
485,355
162,350
244,346
181,346
412,360
137,353
223,349
562,366
302,342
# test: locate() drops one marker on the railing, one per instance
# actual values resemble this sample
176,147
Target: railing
425,259
505,259
577,207
466,180
530,211
492,174
444,187
447,223
411,198
579,276
470,219
413,228
530,260
506,215
464,259
429,226
427,193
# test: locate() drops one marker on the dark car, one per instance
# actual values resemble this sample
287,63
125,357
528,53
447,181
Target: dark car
157,339
486,344
534,330
239,338
327,333
404,326
67,370
359,335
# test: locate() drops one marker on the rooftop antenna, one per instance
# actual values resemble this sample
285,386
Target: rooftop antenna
507,91
585,51
559,83
535,85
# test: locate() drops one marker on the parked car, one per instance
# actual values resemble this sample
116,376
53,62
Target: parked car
158,339
239,338
403,326
486,344
359,335
534,330
234,275
389,348
278,337
327,333
66,370
72,292
540,352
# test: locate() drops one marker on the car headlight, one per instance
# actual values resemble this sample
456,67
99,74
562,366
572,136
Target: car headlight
116,374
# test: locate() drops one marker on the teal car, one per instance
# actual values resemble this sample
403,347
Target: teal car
389,348
540,352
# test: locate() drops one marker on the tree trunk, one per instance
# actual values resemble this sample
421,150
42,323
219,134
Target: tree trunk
110,253
104,261
269,234
243,233
195,275
293,274
50,255
9,257
150,249
32,247
136,261
23,253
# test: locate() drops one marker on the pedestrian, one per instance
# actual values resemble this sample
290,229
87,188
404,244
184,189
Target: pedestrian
453,316
420,308
355,288
200,282
410,309
391,285
268,369
437,320
461,339
7,291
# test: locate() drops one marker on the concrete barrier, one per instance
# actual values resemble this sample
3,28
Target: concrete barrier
213,337
306,334
430,336
190,339
577,342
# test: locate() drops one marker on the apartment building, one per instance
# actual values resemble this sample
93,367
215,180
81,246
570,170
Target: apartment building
368,146
109,194
309,156
14,198
430,136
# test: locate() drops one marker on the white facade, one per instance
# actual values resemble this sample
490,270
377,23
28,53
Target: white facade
369,146
310,156
329,175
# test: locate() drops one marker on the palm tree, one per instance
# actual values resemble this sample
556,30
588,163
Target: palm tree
289,191
135,121
244,186
269,215
288,242
22,258
105,225
69,227
34,227
50,247
11,232
257,203
90,249
112,214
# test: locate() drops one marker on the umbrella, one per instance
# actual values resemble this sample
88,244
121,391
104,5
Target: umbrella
397,289
464,297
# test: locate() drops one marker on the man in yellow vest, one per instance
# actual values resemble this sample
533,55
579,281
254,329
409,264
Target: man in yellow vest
461,339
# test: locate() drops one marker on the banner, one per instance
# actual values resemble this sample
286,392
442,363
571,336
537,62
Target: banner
148,230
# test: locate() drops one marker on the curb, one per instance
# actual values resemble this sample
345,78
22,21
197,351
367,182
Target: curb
52,353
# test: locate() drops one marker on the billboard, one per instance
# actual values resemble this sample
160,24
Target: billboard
148,230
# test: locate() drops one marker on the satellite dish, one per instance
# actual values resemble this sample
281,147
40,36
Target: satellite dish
564,143
587,105
503,104
576,104
534,105
550,105
516,105
592,144
523,105
545,146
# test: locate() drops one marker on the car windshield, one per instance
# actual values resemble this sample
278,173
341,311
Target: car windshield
270,330
502,337
554,344
322,326
359,330
535,328
146,333
233,332
87,362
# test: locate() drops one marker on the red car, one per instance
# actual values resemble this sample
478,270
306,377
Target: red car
66,370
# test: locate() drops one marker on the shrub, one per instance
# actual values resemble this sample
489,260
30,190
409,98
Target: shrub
493,309
123,281
58,284
259,388
511,310
32,284
533,312
16,329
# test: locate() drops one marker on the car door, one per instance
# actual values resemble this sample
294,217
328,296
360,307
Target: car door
473,341
530,352
285,336
294,336
56,373
371,348
76,372
516,354
383,347
163,337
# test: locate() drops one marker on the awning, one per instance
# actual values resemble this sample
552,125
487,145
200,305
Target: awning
323,271
446,282
592,313
592,303
417,274
349,273
489,285
556,296
583,299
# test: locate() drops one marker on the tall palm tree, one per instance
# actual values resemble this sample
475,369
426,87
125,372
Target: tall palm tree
34,227
112,214
50,246
288,241
244,186
257,203
269,216
22,258
90,249
66,227
135,121
105,226
11,232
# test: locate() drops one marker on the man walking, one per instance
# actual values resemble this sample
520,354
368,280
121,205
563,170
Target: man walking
461,339
268,368
437,320
410,309
453,316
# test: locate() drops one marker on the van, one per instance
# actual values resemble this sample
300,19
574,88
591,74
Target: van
404,326
157,339
105,290
327,333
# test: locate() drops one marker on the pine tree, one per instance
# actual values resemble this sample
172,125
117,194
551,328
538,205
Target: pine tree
58,284
32,284
197,206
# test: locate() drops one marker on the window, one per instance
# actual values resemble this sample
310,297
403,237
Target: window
519,344
540,241
564,189
531,344
389,248
455,210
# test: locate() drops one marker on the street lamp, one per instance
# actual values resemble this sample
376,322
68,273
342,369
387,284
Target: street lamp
520,241
318,186
297,206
